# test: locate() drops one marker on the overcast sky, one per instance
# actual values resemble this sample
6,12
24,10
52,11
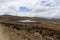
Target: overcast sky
31,8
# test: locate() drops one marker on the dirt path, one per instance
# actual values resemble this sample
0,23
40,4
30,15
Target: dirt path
3,35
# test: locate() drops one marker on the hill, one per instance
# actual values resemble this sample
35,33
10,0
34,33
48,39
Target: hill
41,29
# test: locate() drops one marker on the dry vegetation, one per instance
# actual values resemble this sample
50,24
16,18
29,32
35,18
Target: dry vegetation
43,29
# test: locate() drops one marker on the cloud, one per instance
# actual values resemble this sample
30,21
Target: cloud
31,8
7,4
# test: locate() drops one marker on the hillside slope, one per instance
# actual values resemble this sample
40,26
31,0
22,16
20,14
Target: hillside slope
42,29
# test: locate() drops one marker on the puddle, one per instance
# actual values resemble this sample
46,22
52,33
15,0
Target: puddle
26,21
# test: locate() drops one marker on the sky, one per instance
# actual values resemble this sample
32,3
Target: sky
31,8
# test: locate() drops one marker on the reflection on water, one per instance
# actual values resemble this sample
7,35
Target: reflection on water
26,21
